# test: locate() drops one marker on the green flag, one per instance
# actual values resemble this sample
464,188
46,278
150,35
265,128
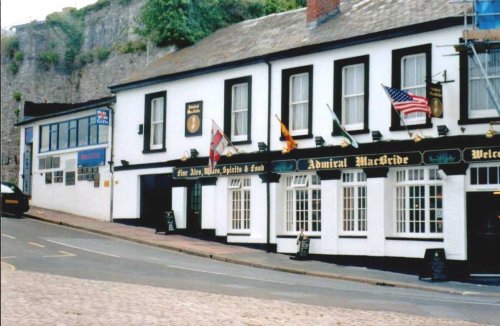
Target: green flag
342,129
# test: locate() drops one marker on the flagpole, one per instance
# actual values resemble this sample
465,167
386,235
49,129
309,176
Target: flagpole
397,112
224,134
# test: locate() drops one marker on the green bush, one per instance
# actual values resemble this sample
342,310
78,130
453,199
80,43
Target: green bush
17,96
13,67
86,58
46,60
102,53
10,45
131,47
124,2
18,56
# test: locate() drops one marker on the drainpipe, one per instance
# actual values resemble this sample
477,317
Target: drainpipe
268,198
111,162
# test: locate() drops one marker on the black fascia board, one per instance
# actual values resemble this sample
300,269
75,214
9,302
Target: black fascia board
94,104
299,51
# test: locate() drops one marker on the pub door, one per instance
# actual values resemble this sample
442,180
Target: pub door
156,198
193,226
483,232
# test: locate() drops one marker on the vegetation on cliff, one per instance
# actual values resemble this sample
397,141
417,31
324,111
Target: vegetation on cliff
184,22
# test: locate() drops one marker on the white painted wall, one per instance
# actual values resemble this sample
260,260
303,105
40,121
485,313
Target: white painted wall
82,198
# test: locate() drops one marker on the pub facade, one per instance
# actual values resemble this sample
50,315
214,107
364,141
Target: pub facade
414,183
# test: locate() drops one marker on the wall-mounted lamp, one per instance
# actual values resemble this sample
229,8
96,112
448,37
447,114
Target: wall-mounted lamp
376,135
194,152
125,162
262,146
417,138
320,142
442,130
140,130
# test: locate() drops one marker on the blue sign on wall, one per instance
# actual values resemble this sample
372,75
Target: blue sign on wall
91,157
102,117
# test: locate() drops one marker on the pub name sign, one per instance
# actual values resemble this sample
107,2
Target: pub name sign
219,170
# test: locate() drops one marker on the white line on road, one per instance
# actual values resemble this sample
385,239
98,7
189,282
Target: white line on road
36,244
444,300
64,254
224,274
7,257
79,248
8,236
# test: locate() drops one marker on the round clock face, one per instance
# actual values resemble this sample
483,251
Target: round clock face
193,124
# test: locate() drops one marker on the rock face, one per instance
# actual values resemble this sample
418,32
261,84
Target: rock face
108,51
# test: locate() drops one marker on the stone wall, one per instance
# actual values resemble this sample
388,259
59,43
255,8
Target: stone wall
108,27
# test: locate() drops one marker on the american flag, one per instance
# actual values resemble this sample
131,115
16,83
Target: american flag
407,102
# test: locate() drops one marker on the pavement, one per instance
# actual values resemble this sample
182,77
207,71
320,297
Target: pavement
257,258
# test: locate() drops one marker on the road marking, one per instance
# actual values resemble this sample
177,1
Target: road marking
36,244
64,254
225,274
8,236
8,266
8,257
79,248
445,300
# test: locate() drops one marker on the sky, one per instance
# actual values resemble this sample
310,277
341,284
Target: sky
17,12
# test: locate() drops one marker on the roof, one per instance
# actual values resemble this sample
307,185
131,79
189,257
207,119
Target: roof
40,111
287,34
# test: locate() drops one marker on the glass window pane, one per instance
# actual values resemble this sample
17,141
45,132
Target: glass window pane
93,131
83,132
45,138
54,136
103,134
63,135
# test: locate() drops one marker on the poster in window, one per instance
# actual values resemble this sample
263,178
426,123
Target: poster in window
194,116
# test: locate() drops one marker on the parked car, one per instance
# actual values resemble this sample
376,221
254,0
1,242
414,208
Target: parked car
14,201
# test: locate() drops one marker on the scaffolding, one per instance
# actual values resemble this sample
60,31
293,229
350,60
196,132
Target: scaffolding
481,29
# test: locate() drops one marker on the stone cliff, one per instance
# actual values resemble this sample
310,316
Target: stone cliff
68,60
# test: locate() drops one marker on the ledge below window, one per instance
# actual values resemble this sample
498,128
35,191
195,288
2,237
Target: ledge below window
238,234
150,151
414,239
411,127
475,121
298,137
353,237
352,132
295,236
242,142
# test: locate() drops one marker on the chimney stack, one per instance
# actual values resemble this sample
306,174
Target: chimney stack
320,10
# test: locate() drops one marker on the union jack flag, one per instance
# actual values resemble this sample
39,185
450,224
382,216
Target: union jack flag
407,102
102,117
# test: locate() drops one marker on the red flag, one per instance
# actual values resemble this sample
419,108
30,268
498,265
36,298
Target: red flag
218,144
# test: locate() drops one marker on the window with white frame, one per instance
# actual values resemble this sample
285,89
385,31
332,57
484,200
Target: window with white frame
157,117
299,104
413,70
239,192
353,96
302,203
354,213
239,112
418,202
485,175
481,104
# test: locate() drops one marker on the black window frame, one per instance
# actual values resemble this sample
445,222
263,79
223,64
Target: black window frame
464,88
228,94
147,122
397,55
285,98
338,66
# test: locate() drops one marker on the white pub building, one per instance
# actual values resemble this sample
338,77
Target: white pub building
414,183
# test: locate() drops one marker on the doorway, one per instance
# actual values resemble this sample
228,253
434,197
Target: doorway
483,232
156,198
193,225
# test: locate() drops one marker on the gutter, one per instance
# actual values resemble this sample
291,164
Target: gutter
268,187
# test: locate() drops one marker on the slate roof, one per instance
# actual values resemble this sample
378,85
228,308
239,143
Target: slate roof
275,35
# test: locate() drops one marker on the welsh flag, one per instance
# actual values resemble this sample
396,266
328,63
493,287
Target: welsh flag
218,144
343,131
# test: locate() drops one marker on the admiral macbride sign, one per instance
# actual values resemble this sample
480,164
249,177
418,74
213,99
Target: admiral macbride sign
360,161
219,170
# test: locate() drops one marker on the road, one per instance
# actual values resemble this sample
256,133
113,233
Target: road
34,246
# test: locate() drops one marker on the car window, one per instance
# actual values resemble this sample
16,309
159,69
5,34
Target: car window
7,190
